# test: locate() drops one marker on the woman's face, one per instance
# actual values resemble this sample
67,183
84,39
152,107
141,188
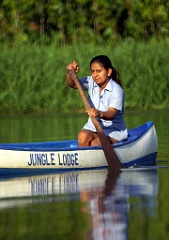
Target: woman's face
99,74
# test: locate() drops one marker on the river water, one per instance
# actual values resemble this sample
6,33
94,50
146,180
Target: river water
96,204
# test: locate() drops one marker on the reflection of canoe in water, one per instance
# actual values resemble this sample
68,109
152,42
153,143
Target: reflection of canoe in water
68,185
139,149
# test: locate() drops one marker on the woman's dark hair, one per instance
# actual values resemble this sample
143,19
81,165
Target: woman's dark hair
106,63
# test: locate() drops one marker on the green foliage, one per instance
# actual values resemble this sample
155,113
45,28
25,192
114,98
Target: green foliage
148,18
51,219
33,75
79,20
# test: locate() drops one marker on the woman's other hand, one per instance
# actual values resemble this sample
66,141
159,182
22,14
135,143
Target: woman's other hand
73,66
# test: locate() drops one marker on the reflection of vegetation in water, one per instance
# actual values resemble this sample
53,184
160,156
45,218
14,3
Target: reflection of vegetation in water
51,220
44,127
54,210
151,223
136,201
33,77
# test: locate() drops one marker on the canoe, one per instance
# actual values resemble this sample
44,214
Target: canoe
140,149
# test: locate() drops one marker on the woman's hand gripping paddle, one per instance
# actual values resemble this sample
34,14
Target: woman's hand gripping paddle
110,155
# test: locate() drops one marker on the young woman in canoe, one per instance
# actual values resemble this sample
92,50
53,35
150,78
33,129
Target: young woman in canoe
106,98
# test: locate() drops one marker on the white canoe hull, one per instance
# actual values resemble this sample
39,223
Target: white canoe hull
65,155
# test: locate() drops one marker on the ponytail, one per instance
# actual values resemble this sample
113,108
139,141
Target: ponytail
115,76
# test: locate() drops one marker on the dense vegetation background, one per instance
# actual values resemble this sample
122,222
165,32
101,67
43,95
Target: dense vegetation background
39,38
72,20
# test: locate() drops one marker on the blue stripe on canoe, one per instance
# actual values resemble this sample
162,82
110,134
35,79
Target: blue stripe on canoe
148,160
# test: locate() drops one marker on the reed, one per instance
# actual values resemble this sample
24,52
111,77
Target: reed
33,76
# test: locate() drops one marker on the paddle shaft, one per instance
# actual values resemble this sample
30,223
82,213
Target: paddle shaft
110,155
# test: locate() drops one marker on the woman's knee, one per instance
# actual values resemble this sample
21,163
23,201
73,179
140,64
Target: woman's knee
82,137
85,137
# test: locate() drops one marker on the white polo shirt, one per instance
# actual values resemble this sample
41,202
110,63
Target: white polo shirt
111,96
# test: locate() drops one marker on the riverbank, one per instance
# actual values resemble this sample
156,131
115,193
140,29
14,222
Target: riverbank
33,76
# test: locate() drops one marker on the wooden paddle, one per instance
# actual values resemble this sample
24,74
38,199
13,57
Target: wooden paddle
110,155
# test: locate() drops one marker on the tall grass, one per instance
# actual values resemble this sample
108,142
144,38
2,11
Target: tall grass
32,77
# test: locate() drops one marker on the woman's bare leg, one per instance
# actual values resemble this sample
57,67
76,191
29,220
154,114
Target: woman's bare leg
87,138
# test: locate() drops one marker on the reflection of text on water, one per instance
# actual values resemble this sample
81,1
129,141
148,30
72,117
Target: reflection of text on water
65,183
